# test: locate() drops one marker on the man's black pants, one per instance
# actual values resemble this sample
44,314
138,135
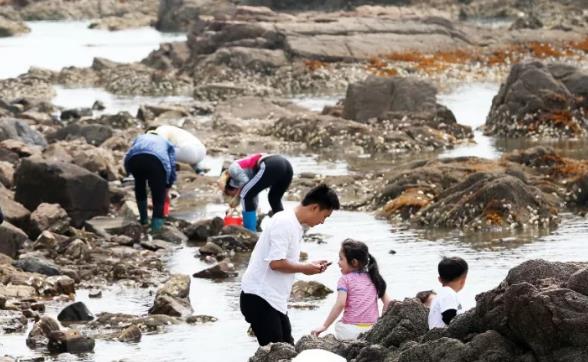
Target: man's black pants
268,324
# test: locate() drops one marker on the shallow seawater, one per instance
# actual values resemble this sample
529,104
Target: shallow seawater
57,44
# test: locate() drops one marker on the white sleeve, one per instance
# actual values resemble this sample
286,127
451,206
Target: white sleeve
448,301
279,242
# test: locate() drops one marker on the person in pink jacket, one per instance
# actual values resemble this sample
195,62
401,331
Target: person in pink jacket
248,176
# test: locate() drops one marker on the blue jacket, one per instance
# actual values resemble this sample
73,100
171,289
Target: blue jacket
157,146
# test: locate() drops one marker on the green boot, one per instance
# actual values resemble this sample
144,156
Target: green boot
156,224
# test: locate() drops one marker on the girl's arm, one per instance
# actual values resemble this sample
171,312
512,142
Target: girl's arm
335,312
386,300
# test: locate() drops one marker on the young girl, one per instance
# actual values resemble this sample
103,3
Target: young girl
358,291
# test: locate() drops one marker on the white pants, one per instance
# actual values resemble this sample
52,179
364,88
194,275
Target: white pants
344,331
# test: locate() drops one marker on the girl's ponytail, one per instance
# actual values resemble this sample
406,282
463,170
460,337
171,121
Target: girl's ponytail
374,273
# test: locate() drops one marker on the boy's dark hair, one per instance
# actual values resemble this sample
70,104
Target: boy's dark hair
424,295
452,268
353,249
323,196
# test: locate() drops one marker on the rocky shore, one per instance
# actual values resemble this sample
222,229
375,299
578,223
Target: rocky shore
71,219
535,314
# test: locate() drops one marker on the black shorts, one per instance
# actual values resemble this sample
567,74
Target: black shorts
268,324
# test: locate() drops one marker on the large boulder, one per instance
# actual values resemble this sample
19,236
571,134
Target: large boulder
81,193
540,100
533,308
487,200
98,160
375,96
11,128
11,239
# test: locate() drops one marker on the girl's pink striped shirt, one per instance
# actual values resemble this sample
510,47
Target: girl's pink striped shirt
362,298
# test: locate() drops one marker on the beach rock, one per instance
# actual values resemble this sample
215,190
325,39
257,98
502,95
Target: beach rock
120,120
173,297
375,96
329,343
12,322
177,15
486,200
130,334
170,234
303,290
211,248
13,211
540,100
37,265
578,281
39,334
48,217
26,87
6,174
70,341
75,312
94,134
201,230
168,56
11,128
522,307
107,226
274,352
245,58
222,270
74,114
59,284
248,112
404,321
526,22
11,239
81,193
12,28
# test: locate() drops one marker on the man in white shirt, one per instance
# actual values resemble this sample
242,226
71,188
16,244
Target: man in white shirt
268,280
446,305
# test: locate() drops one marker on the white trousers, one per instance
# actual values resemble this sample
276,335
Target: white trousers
344,331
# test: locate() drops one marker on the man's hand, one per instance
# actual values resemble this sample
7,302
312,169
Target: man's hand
315,267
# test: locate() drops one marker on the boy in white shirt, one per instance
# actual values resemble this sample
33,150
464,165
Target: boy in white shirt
446,305
267,282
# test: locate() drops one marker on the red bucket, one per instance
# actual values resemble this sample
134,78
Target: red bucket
233,218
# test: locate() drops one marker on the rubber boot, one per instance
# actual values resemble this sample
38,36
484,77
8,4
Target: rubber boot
156,224
143,218
166,204
250,220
